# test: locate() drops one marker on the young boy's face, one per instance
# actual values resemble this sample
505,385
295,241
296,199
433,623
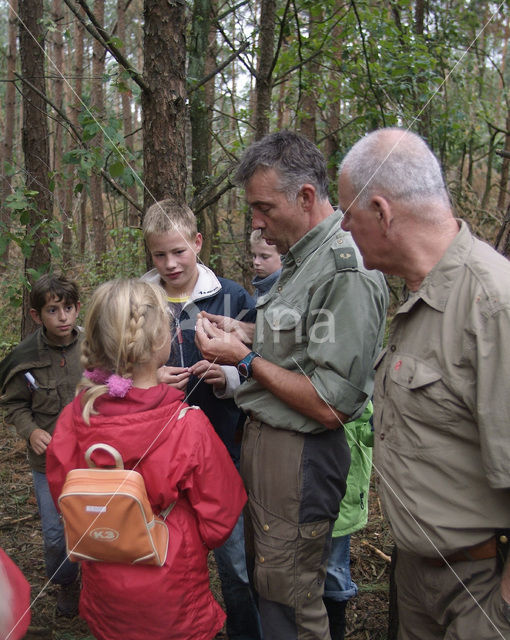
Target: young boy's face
266,259
174,255
58,318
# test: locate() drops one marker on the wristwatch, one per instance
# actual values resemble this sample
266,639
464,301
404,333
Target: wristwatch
244,366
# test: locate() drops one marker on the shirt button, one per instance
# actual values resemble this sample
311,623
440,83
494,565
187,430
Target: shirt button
381,436
298,260
261,559
266,527
280,289
309,595
314,533
393,348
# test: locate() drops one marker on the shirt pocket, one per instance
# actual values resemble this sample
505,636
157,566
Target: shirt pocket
423,399
284,325
413,374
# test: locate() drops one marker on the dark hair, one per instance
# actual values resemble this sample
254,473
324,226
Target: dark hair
294,157
53,286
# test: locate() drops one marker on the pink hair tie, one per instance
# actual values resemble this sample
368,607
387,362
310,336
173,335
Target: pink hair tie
117,385
99,376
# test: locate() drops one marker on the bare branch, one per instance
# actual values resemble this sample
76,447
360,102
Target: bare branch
78,139
224,64
105,39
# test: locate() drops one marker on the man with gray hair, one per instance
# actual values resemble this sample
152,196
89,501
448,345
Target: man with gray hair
308,369
441,401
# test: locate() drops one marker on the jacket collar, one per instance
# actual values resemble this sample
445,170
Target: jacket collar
206,286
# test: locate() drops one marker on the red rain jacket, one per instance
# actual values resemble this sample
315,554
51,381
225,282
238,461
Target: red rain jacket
182,460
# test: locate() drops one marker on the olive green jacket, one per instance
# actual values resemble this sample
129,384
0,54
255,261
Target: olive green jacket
56,371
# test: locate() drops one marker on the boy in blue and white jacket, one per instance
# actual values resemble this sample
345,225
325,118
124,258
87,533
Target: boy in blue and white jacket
170,232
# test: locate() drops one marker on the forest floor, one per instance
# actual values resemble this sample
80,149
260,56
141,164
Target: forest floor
20,537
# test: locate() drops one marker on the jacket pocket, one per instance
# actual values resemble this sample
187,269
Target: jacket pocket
45,399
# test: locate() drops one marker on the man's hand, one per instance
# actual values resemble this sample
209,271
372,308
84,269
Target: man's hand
39,440
211,373
174,376
218,345
242,330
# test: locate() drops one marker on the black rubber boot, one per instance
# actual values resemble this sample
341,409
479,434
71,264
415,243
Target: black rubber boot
68,597
336,615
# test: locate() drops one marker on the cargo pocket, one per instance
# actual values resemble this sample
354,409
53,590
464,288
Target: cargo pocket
275,551
311,561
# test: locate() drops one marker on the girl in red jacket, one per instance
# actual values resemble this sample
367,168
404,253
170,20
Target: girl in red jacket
182,460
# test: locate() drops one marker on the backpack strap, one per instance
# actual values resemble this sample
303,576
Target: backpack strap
185,410
119,464
166,511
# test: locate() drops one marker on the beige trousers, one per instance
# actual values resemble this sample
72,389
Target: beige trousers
436,604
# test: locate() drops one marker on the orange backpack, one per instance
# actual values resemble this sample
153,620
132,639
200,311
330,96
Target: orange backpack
108,517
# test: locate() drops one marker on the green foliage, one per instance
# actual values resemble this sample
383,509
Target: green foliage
126,258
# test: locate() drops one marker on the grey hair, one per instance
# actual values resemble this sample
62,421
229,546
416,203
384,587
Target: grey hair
396,163
296,160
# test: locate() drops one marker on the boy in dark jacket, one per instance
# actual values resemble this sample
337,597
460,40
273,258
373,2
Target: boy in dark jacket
37,379
170,231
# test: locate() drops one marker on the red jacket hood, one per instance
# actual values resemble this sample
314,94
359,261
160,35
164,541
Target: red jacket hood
134,425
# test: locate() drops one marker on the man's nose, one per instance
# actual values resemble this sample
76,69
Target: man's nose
256,222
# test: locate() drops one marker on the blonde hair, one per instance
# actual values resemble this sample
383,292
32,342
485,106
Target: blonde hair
169,215
125,324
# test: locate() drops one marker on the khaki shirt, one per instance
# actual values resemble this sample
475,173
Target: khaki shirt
323,319
442,404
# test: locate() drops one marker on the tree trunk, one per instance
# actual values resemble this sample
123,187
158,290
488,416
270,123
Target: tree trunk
503,180
97,104
164,103
74,112
264,81
307,107
126,97
488,176
200,117
10,106
61,191
35,145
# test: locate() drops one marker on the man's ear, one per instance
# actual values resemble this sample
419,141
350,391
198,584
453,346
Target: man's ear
383,212
308,196
34,314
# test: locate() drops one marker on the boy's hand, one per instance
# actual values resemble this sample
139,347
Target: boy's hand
242,330
211,373
174,376
39,440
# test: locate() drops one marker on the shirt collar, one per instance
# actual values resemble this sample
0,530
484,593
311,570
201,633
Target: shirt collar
313,239
437,284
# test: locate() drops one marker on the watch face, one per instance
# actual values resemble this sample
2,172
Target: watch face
243,369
